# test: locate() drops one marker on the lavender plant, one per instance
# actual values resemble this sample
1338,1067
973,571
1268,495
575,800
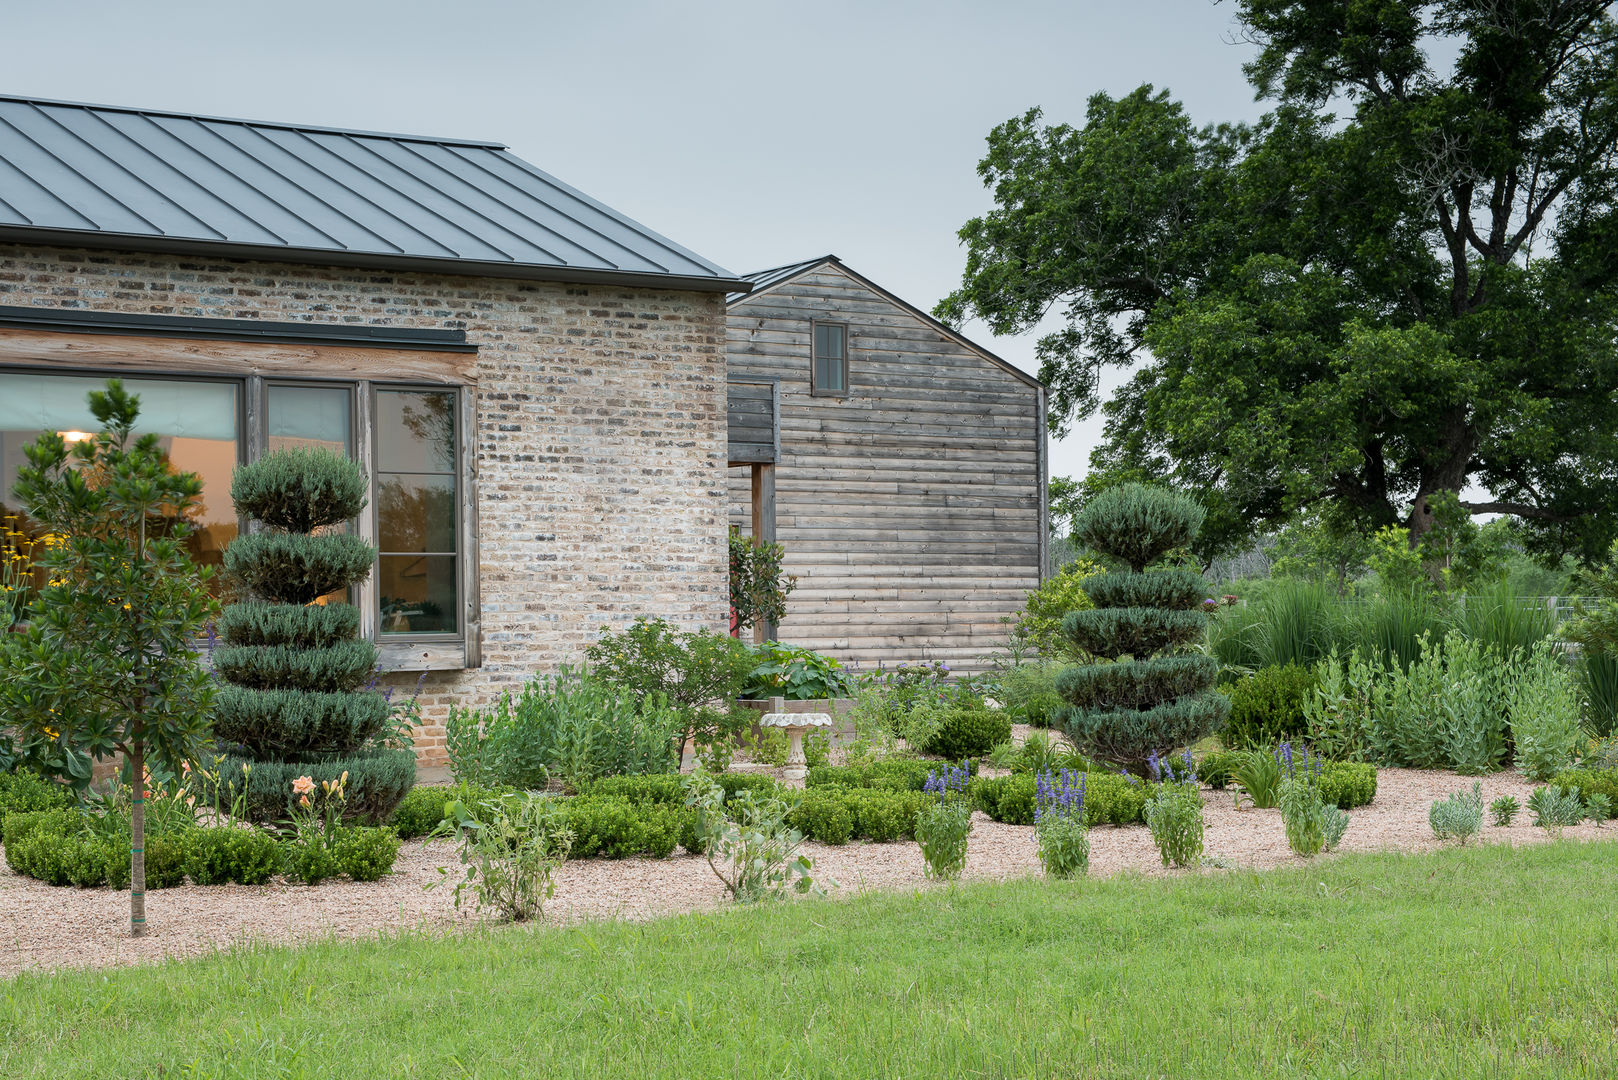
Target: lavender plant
1312,824
944,823
1174,813
1059,823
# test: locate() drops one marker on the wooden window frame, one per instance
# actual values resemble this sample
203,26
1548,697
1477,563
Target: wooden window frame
814,359
439,650
398,652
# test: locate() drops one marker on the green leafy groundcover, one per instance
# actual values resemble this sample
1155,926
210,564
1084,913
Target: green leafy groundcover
1490,961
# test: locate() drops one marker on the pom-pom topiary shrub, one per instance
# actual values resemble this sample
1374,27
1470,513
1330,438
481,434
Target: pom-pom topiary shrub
1151,697
293,703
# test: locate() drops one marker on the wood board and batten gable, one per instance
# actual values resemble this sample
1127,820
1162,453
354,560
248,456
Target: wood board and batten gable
905,475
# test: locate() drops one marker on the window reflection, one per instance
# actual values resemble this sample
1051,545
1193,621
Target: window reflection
416,511
196,423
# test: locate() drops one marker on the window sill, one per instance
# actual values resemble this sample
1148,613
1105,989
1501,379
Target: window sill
422,655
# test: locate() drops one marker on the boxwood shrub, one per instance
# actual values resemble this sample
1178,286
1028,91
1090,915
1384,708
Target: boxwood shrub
24,792
365,854
1267,706
59,852
220,854
1590,782
1347,784
970,733
825,815
612,827
892,774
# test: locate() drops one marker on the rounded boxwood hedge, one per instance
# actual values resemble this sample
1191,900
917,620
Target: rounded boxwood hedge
24,792
969,733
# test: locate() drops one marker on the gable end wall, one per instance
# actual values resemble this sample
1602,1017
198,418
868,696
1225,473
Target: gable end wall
911,509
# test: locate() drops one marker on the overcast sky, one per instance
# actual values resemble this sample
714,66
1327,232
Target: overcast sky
755,134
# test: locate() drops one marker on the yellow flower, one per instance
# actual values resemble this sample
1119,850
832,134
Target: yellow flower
126,606
52,733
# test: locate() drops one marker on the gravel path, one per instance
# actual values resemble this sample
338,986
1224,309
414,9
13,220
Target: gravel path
44,928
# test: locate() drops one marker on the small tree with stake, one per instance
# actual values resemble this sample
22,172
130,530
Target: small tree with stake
107,662
1153,698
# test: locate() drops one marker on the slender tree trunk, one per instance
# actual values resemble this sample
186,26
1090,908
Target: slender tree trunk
137,846
137,814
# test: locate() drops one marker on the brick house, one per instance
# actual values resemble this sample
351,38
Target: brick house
535,384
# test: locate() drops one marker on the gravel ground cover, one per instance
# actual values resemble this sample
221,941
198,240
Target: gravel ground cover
45,928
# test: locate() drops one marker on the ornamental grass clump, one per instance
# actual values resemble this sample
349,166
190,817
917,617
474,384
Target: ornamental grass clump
1060,827
1258,775
296,701
944,823
1313,823
1153,696
1174,812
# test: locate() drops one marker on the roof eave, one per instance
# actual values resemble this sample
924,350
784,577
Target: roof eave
19,234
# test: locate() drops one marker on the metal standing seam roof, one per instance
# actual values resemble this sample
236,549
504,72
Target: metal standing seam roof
763,279
138,179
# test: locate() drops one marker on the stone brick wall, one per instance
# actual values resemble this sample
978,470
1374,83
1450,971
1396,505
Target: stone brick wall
600,443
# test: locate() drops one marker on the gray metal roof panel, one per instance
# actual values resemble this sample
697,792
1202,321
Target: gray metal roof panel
763,279
142,180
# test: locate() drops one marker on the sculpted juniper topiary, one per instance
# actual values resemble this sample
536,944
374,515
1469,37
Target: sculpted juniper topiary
293,704
1152,697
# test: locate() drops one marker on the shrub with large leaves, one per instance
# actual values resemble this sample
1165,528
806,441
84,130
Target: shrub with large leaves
1151,698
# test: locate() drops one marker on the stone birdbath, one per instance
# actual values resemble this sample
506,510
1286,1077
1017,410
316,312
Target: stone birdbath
794,724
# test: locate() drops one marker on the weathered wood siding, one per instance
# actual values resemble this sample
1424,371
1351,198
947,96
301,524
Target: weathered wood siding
911,508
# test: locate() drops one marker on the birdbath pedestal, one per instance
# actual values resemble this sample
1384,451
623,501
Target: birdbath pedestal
794,724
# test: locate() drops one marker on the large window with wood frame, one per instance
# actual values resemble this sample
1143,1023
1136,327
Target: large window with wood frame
829,357
407,437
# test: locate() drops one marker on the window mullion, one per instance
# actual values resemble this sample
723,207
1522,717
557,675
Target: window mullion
365,450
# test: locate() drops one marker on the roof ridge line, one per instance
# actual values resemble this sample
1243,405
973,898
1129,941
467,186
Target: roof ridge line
28,99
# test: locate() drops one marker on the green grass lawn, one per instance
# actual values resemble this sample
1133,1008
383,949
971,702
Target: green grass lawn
1488,962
